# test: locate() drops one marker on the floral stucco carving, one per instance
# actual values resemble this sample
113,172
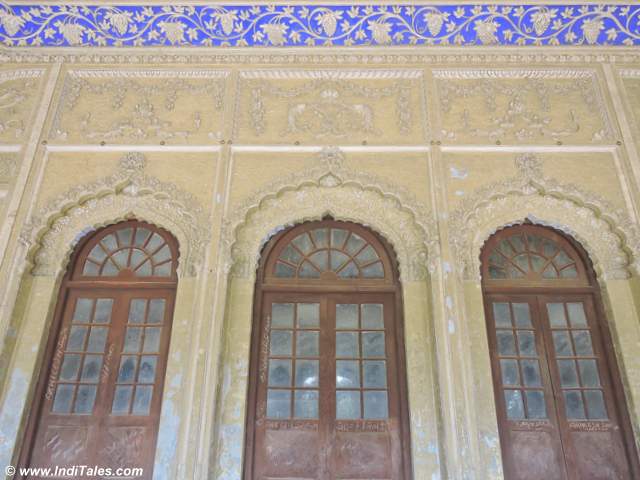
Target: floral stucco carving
17,92
8,167
51,235
609,235
332,189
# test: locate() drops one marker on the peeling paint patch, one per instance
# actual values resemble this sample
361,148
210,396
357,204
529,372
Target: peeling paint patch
460,174
459,193
230,459
167,439
446,268
452,326
449,302
11,414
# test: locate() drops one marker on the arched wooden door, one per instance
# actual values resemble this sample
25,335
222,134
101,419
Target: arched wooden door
98,400
327,379
560,405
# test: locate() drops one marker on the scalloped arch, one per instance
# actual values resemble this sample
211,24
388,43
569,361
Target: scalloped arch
404,226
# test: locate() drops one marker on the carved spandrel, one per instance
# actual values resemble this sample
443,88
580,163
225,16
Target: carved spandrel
18,99
530,107
147,106
320,106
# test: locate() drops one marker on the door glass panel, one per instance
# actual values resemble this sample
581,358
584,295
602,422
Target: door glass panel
521,315
373,344
375,374
375,405
502,315
307,344
307,373
372,316
536,408
556,315
526,344
306,404
568,375
515,407
589,373
347,315
278,403
281,342
282,315
576,315
510,373
531,373
347,344
574,405
506,343
308,315
347,373
279,373
595,404
347,404
582,341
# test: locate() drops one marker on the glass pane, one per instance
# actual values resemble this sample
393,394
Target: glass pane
495,272
562,259
303,242
84,306
515,407
526,344
281,342
284,271
562,344
156,310
367,255
306,404
110,269
147,370
531,373
346,315
307,271
535,243
523,262
127,369
91,368
142,234
375,374
502,315
375,405
308,315
350,271
76,338
320,238
549,248
145,269
569,272
121,258
576,315
307,373
556,315
103,310
70,367
282,315
121,400
136,310
549,272
97,339
291,255
536,407
506,343
347,404
90,269
162,255
278,403
521,315
125,236
110,242
595,405
347,373
337,259
510,374
589,373
85,398
537,262
152,339
142,400
568,375
573,405
354,244
506,248
62,400
582,340
132,340
98,254
321,260
155,242
373,344
338,236
279,373
307,344
372,315
347,344
374,270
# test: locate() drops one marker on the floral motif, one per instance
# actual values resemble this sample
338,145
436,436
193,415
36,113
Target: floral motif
312,25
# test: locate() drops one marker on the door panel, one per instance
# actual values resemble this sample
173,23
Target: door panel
327,398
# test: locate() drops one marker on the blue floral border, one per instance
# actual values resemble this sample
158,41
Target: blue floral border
41,25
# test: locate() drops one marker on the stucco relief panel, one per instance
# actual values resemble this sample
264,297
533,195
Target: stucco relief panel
631,82
19,93
541,106
9,165
140,106
322,106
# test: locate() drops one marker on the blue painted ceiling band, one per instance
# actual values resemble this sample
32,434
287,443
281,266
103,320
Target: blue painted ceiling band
148,25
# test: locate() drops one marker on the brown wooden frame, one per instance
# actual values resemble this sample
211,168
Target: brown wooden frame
74,280
266,283
585,285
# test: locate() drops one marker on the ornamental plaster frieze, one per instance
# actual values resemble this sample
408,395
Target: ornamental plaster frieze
329,105
143,105
18,89
332,189
8,168
610,237
51,235
542,105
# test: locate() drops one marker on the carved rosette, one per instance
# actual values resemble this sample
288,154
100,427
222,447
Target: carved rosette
609,236
129,193
343,194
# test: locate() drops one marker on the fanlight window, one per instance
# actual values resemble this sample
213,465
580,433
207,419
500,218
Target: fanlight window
336,250
530,256
137,249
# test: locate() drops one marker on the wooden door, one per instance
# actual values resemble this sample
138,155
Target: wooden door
99,403
327,394
560,406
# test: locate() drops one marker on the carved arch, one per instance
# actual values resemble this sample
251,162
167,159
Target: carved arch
342,194
610,238
51,236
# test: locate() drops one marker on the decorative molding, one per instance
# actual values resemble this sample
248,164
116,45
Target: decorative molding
52,234
153,104
630,73
8,168
332,189
610,237
308,24
523,111
14,116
